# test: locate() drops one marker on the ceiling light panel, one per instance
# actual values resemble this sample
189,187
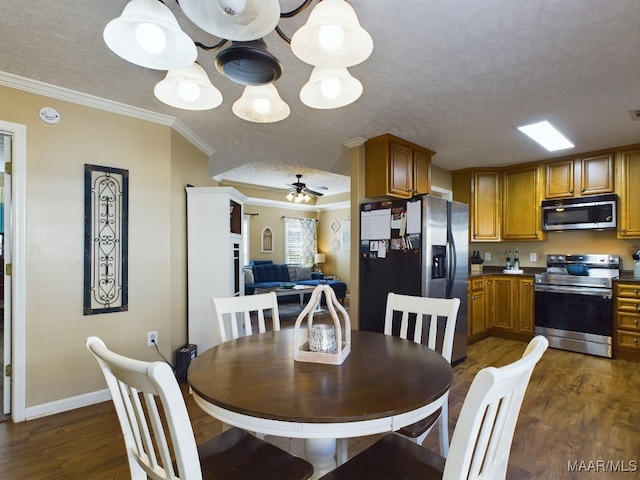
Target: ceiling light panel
546,135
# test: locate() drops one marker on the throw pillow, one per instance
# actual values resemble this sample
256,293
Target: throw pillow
293,272
248,276
304,273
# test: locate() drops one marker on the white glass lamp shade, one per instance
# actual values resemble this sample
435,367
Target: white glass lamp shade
233,19
261,104
332,37
330,88
319,258
148,34
188,88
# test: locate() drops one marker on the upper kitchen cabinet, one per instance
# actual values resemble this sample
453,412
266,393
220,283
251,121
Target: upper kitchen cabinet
481,190
521,199
486,207
396,168
591,175
628,190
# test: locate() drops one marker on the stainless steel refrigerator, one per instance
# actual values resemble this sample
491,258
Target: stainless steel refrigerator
414,247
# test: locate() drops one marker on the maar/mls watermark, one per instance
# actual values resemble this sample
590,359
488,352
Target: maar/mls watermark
601,466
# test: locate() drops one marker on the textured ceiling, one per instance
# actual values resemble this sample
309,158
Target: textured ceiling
452,75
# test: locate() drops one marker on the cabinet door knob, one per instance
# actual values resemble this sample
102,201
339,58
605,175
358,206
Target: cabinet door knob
635,321
635,290
635,340
571,191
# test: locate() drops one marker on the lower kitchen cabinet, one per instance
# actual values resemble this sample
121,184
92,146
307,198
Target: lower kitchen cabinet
627,321
526,305
501,305
476,325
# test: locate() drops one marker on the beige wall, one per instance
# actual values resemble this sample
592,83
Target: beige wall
160,162
338,261
440,177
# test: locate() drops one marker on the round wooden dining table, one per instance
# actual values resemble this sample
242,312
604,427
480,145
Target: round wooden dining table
254,383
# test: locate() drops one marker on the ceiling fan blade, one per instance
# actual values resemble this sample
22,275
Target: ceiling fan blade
308,190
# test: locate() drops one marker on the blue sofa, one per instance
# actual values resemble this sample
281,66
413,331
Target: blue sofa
263,274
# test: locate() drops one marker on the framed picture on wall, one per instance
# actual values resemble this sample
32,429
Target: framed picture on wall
267,240
106,244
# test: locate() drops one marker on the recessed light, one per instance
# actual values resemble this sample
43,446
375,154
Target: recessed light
546,135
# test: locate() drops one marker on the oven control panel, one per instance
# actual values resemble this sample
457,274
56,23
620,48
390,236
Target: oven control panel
599,260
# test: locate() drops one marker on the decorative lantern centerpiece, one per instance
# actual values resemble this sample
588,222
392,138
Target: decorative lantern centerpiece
322,343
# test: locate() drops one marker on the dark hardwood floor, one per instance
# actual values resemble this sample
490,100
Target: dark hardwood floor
579,410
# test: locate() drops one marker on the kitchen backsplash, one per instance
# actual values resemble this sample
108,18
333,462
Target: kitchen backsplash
583,241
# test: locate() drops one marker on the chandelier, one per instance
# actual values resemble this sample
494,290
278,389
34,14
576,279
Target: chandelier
332,40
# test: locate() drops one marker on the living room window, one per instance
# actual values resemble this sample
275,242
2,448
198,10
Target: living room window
293,241
301,241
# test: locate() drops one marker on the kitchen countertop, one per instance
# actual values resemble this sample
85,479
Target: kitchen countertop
495,270
627,276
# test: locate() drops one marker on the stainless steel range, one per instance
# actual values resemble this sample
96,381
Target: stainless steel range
573,302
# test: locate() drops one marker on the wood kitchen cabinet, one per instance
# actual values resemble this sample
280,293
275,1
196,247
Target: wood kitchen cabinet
591,175
504,303
486,210
560,182
627,320
476,327
480,189
503,204
396,168
501,305
521,199
628,190
526,305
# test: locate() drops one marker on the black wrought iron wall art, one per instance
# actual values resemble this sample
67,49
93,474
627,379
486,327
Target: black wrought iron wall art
106,229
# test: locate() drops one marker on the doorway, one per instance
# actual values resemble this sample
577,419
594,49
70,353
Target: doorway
5,286
14,137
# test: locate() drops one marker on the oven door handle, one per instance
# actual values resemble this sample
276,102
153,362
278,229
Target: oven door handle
591,291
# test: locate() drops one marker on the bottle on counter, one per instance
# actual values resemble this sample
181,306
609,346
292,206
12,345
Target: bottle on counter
516,261
509,266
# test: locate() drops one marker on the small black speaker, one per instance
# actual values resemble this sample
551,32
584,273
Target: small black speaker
184,356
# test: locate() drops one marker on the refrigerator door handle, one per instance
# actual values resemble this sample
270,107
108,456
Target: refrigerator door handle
451,253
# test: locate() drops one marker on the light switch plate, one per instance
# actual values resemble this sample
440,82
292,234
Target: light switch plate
487,256
533,257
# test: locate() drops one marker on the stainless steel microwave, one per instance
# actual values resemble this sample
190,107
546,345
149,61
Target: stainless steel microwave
585,213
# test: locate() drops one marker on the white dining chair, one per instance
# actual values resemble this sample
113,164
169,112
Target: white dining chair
240,308
149,403
481,441
426,311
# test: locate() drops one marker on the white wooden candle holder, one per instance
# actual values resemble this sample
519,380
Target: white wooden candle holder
301,336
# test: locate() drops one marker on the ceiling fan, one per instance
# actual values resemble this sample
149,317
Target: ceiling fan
300,193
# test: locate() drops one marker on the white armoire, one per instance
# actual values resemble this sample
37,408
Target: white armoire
214,257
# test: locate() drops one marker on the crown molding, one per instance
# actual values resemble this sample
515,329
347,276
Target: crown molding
67,95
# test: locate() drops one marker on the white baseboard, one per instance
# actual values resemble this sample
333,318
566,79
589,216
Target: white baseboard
67,404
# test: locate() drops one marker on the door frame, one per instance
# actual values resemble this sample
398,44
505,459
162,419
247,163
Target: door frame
17,259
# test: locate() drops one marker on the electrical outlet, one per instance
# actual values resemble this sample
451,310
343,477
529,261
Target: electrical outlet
487,256
533,257
152,338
